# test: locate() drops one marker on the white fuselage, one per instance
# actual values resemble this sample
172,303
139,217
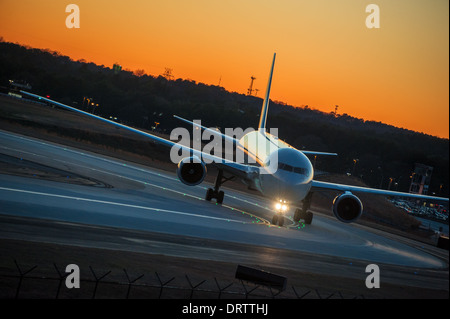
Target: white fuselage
285,172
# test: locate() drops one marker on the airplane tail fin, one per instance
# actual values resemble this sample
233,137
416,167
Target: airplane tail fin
265,107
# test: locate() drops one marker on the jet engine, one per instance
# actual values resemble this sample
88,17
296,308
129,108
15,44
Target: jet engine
191,171
347,207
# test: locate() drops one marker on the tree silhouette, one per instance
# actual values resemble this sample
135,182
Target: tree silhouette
140,100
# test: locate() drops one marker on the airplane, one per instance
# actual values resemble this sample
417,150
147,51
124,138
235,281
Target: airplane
280,171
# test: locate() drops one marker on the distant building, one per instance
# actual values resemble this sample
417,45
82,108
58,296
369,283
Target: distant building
19,85
117,68
16,86
420,179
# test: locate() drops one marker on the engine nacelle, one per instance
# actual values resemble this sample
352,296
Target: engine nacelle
347,207
191,171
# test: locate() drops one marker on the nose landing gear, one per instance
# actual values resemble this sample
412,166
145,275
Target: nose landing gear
278,218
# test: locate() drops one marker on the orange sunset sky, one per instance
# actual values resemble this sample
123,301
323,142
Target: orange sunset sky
326,56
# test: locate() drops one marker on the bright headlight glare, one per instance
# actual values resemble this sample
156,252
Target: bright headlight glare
284,207
278,206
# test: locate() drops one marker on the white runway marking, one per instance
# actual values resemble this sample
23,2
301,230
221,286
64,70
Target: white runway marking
120,204
117,162
325,237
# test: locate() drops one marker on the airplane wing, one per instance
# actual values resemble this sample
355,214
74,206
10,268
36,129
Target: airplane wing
318,185
217,133
227,138
319,153
239,170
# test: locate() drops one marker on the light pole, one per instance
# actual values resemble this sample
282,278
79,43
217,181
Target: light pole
390,183
355,160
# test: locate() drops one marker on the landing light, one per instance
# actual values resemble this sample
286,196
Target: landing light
281,206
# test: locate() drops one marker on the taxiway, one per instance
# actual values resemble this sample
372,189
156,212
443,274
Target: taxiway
130,200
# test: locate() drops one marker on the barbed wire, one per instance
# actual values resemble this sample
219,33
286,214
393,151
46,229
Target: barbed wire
24,285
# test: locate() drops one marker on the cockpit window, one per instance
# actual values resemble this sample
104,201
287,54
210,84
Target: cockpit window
289,168
300,170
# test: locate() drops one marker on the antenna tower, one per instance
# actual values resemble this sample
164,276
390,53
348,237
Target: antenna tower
250,89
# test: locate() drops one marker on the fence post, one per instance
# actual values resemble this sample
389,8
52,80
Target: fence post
131,281
300,297
221,289
161,284
22,274
193,287
97,280
61,278
248,292
271,292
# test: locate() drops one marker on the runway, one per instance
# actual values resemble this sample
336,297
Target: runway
125,200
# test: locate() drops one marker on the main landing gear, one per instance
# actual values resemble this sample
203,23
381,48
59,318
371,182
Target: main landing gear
215,193
304,213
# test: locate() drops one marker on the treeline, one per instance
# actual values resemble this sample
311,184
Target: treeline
381,151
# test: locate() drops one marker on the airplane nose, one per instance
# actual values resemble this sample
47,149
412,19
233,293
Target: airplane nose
290,174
